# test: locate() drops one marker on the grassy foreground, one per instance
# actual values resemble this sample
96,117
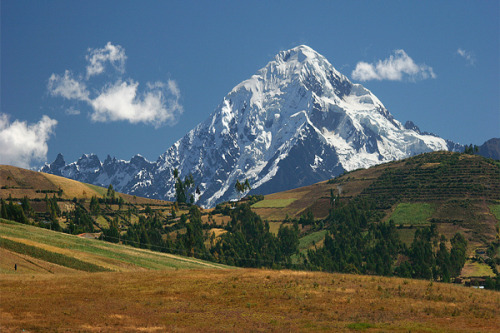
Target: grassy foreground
241,300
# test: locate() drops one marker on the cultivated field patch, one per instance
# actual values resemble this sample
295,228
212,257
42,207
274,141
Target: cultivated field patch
109,256
412,213
273,203
311,240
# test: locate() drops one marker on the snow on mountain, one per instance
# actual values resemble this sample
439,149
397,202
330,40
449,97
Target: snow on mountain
295,122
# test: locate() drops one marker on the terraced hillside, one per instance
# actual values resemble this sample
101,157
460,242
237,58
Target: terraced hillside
431,177
458,192
437,177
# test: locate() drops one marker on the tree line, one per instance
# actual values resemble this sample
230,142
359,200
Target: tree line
357,243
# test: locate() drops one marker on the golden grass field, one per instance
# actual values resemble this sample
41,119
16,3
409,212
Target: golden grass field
243,300
18,182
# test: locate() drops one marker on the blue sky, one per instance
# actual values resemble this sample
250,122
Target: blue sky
69,69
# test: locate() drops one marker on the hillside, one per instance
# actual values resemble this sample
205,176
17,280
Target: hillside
430,177
241,301
37,250
18,182
455,192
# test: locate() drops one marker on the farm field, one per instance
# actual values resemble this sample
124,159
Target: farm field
36,250
412,213
240,301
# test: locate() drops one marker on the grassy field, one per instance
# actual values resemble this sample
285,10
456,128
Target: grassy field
311,239
412,213
495,210
241,301
477,269
27,243
273,203
18,182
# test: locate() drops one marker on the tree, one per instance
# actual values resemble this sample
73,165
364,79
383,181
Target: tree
242,187
3,211
113,233
26,206
247,185
239,188
194,240
95,208
421,254
471,149
248,242
458,254
289,239
443,261
111,192
182,188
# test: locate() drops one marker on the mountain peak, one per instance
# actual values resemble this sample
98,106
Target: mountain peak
295,122
299,53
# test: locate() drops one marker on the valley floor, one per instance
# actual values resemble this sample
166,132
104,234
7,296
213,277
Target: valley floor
240,300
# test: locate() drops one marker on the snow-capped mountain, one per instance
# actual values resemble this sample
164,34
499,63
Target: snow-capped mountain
295,122
124,175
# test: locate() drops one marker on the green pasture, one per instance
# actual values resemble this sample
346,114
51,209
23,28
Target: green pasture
309,240
112,256
412,213
273,203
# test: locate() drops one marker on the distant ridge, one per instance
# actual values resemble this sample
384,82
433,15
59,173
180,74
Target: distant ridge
491,149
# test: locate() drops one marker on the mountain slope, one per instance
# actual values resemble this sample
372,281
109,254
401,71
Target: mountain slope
295,122
18,183
462,191
490,149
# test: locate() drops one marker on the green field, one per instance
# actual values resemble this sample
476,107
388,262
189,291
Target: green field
477,269
412,213
48,256
89,254
495,210
309,240
101,190
273,203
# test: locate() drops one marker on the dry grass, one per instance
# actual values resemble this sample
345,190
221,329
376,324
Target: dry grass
241,300
18,182
72,188
315,197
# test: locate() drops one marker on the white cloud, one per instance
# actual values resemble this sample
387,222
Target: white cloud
66,86
72,111
120,100
467,55
22,144
97,59
397,67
